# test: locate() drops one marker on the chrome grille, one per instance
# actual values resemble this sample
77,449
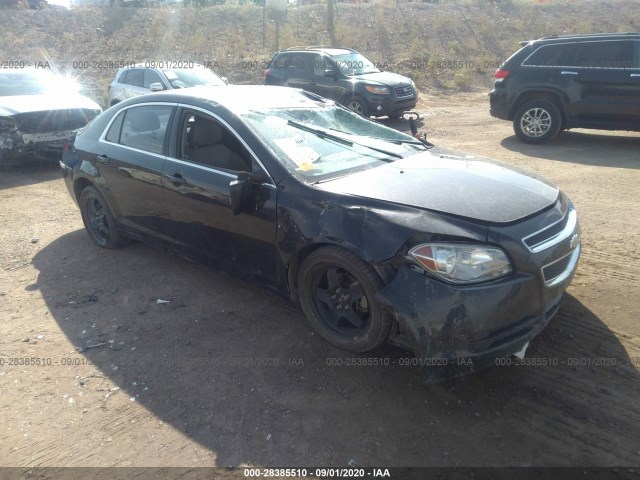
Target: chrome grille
553,234
404,91
546,234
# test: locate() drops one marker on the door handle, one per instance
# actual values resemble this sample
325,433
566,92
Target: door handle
177,179
567,72
635,75
104,159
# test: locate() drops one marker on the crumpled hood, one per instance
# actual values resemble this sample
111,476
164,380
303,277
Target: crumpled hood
465,186
13,105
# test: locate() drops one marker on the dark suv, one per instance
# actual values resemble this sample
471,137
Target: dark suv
345,76
562,82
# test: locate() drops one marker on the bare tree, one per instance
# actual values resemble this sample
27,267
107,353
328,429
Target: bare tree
331,22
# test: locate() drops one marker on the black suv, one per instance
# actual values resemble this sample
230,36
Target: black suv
345,76
577,81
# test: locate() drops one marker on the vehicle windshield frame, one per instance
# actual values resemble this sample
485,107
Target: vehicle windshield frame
326,141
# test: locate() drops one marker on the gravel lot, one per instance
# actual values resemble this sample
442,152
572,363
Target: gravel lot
228,374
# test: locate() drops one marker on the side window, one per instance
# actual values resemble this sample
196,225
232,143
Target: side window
609,54
151,76
550,56
302,64
206,141
320,65
134,77
113,135
295,64
281,62
141,127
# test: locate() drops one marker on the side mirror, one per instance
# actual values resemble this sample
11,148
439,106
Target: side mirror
156,87
329,72
240,192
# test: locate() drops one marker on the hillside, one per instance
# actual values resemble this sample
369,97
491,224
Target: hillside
445,47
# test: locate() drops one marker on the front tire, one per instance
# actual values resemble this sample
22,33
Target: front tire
537,121
357,105
337,293
98,220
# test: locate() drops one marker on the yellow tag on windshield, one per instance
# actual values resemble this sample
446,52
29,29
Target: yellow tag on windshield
306,166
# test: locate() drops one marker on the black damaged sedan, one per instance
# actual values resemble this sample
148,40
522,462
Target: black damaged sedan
379,238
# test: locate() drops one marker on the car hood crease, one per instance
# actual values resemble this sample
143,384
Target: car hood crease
463,186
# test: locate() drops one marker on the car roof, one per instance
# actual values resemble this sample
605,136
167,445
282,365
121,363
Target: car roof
585,37
238,98
331,51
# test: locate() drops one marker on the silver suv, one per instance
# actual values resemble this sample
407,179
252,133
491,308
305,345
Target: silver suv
144,78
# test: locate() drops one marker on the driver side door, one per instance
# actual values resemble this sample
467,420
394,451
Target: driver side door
208,157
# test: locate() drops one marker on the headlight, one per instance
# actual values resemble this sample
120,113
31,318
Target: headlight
462,263
378,90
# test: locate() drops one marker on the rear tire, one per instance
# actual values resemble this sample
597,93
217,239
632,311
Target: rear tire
337,292
98,220
537,121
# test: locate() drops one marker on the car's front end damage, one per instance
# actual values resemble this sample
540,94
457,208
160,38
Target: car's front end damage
39,135
483,270
455,329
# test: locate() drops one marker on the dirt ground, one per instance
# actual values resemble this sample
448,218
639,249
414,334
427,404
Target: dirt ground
95,372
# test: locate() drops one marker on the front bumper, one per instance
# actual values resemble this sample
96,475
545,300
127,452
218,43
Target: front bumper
33,146
454,330
380,105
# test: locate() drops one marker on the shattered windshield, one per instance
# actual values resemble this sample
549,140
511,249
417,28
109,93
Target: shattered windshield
327,142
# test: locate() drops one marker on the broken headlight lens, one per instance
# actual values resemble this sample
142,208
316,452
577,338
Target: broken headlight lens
462,263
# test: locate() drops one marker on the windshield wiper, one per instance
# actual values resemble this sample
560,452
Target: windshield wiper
326,135
401,142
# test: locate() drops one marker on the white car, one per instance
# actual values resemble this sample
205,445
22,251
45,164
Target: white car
39,112
156,76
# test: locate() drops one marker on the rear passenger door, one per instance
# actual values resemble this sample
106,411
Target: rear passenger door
292,69
604,74
131,154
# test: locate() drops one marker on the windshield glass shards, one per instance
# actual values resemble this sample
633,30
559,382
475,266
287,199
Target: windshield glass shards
327,142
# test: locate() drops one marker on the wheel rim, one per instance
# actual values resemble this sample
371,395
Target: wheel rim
97,220
356,106
535,122
340,302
